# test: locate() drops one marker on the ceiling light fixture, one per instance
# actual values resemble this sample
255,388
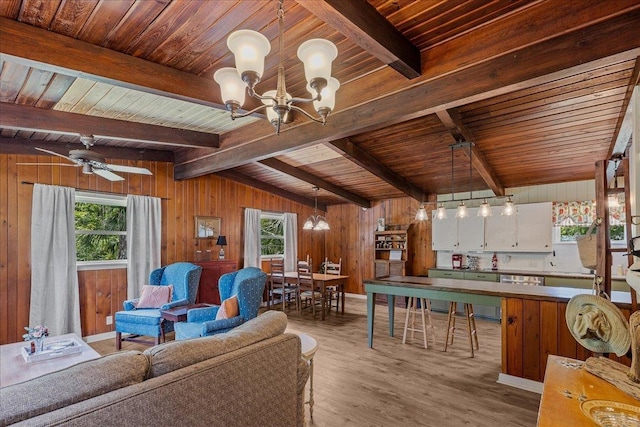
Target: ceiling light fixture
462,211
422,215
250,48
316,222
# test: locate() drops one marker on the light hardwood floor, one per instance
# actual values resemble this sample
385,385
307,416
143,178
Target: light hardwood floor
403,385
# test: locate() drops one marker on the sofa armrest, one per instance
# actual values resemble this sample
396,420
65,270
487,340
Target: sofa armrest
202,314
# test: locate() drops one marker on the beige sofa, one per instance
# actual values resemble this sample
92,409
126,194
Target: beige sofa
251,376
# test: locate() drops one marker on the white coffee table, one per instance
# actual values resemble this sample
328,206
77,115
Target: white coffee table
14,369
307,350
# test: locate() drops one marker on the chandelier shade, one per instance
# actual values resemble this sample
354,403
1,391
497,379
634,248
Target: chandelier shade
508,209
250,48
441,213
461,212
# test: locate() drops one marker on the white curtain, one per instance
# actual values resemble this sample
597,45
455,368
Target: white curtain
252,238
290,241
144,235
55,300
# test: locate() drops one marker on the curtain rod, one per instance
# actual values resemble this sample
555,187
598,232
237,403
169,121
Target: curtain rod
98,192
265,211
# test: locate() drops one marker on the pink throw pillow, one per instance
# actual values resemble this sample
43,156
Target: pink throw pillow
155,296
228,309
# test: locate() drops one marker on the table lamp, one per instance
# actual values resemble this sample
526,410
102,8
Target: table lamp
222,242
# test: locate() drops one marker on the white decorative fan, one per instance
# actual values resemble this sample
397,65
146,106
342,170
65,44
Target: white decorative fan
92,162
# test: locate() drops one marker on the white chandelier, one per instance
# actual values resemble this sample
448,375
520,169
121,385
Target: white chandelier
250,48
316,222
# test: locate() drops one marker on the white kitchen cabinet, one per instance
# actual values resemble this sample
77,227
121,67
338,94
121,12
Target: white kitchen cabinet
471,231
444,232
500,232
534,227
529,230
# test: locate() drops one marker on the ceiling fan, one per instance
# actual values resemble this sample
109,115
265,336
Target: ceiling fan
92,162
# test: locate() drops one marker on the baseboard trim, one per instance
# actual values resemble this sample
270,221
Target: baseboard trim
521,383
100,337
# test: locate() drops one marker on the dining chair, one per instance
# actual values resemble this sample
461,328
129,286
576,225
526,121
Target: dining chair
307,289
333,292
279,289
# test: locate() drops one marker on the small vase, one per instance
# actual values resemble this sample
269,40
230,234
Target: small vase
39,343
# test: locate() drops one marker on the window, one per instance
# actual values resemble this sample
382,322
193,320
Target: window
271,235
101,229
568,233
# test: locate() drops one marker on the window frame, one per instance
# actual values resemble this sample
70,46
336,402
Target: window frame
101,199
276,216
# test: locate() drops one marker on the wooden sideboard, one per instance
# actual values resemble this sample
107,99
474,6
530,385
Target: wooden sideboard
211,271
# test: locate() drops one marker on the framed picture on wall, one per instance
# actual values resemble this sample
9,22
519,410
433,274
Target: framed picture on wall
207,227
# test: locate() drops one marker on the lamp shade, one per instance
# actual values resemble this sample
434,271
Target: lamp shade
249,48
328,95
462,211
485,209
508,209
222,241
271,113
441,213
232,87
317,55
421,215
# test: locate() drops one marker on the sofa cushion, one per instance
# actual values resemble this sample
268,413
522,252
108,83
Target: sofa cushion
178,354
74,384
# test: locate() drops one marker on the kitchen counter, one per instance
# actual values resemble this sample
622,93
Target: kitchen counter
533,273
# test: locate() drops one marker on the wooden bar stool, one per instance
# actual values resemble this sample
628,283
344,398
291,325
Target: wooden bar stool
471,326
410,324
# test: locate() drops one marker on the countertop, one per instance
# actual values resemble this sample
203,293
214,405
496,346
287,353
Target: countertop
494,289
532,273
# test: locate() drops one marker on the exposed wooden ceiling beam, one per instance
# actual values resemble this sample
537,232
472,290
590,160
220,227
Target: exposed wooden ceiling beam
23,117
511,65
363,159
260,185
27,147
624,126
295,172
361,22
453,122
50,51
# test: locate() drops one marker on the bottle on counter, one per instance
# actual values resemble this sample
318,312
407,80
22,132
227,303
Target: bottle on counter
494,261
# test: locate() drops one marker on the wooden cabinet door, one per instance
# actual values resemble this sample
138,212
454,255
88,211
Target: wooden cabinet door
382,268
208,292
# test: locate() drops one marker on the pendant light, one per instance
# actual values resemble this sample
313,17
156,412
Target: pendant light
316,222
508,209
442,211
485,209
462,212
422,215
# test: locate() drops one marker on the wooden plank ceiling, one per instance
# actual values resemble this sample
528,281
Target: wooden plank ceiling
540,87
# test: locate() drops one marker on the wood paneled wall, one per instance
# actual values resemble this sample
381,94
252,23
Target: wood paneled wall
529,325
102,291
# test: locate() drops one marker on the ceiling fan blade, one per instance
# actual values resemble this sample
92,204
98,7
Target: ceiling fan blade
48,164
107,174
55,154
129,169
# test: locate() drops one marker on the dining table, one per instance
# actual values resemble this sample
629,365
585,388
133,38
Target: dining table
322,281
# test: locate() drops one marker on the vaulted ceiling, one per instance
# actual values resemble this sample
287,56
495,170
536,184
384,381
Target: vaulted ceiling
540,87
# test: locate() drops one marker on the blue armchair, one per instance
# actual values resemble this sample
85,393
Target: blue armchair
247,283
185,278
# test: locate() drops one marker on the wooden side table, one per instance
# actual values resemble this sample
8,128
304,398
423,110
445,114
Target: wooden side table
179,314
307,350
